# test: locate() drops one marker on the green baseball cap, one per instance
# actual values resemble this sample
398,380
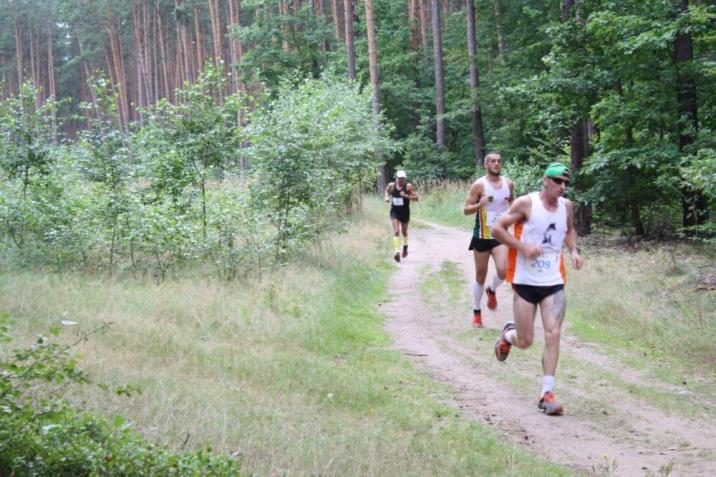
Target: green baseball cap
556,169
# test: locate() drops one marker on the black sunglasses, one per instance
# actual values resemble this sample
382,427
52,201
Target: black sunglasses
559,181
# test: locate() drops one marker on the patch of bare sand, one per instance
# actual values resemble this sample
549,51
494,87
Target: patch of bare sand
600,425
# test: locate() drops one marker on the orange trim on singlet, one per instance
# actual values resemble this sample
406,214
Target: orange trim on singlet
562,268
512,259
512,255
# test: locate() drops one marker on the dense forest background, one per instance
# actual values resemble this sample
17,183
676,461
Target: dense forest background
145,121
177,140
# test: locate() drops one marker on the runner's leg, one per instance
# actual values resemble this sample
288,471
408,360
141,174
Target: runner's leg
499,258
524,312
404,227
481,261
519,332
552,309
477,287
396,238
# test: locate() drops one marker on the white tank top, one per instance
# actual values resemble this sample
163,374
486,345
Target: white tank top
488,215
547,229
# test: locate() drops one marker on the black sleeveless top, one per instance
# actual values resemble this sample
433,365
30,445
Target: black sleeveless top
396,193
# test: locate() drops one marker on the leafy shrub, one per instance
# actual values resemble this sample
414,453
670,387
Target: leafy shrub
154,197
42,434
239,236
309,149
162,234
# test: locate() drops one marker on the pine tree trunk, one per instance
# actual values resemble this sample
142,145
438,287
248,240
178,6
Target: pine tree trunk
85,73
579,141
350,49
694,205
163,58
283,11
218,45
200,52
185,52
35,66
112,73
124,91
439,76
413,15
425,30
33,69
236,48
477,126
179,66
578,145
140,89
51,78
156,65
19,54
179,74
375,83
149,53
5,78
320,9
338,20
566,9
118,62
501,46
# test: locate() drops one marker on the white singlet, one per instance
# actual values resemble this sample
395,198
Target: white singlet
488,215
547,229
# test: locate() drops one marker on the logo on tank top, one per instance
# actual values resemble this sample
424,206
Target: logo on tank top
547,236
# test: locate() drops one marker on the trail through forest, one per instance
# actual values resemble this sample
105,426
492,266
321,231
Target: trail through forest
609,432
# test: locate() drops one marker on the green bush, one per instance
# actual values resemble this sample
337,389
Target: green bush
309,149
41,434
239,237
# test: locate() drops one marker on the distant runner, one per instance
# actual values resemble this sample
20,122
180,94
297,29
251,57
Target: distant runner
489,197
399,194
543,221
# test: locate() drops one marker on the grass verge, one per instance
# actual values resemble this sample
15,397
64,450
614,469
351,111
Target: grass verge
290,374
443,204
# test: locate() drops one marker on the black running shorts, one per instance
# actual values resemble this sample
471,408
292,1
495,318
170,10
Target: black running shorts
482,245
535,294
401,215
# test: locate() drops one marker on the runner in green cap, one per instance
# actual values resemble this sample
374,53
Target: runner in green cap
556,169
543,221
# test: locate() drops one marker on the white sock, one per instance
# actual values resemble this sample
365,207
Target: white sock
510,336
476,295
547,384
496,282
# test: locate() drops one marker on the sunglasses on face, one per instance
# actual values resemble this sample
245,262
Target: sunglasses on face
560,181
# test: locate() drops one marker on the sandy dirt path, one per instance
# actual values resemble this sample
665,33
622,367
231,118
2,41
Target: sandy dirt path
606,430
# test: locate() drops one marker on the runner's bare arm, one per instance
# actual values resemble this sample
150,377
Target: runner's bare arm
388,191
511,185
570,239
519,211
412,195
476,199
